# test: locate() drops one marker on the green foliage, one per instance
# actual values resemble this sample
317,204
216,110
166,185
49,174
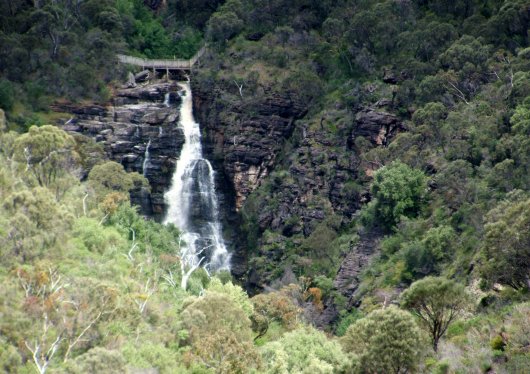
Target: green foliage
47,152
9,358
111,176
7,95
497,343
96,238
223,26
397,190
98,360
33,223
424,257
305,350
270,308
347,320
437,302
519,331
506,251
148,235
234,292
151,355
385,341
220,334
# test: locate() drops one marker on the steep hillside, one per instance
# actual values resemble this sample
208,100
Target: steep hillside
371,163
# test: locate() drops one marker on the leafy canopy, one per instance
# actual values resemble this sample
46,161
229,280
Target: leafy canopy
397,190
386,341
437,301
506,249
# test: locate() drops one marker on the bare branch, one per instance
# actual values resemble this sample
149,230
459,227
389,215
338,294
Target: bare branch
458,93
240,87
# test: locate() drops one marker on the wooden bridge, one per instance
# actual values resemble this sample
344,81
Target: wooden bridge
162,64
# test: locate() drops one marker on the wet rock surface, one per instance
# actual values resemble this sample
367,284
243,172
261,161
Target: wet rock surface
135,119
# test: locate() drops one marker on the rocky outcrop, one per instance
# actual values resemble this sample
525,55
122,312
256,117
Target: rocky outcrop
347,279
376,125
140,123
243,137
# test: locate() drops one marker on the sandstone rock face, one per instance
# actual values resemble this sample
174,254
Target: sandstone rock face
136,119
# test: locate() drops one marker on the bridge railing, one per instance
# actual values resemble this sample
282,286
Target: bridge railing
162,64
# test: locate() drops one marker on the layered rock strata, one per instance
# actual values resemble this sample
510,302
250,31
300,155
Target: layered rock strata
138,129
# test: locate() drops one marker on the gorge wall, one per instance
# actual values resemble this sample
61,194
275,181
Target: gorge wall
284,174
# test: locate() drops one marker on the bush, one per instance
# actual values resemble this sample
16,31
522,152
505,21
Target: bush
397,190
346,321
305,350
497,343
437,302
386,341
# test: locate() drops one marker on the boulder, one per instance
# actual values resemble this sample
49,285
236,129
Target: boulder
131,81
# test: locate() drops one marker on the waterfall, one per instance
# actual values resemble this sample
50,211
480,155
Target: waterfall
192,201
166,99
146,158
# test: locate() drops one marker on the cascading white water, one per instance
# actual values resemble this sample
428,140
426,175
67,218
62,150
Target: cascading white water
146,158
166,99
192,201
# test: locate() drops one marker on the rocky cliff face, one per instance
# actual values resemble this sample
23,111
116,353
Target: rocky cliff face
246,136
243,137
288,175
139,130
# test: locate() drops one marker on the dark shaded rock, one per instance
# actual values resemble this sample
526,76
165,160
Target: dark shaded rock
255,36
390,77
377,126
131,81
246,148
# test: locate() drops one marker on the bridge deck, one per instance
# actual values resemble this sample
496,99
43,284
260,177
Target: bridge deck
162,64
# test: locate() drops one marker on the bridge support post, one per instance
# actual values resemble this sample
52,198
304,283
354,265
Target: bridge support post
167,74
